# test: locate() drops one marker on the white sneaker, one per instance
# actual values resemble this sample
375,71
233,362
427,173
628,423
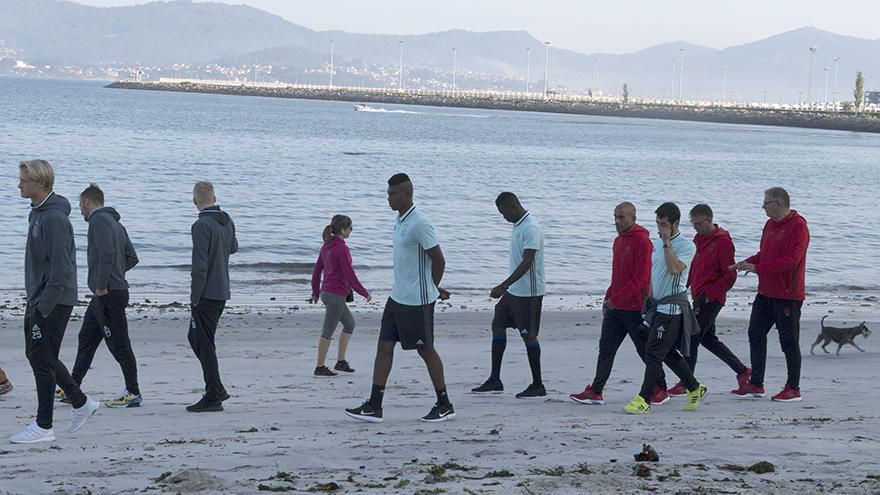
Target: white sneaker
79,415
33,434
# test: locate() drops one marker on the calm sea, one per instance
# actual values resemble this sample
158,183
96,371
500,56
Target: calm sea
283,167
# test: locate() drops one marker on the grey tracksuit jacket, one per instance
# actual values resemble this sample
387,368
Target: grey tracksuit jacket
213,237
110,252
50,256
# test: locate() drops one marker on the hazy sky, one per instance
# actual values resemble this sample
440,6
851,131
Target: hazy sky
582,25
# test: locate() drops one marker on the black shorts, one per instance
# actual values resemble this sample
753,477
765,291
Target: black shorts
521,313
412,326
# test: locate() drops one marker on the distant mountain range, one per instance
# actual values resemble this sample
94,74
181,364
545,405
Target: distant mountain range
54,32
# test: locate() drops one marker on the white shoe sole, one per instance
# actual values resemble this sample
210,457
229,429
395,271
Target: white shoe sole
440,420
664,401
796,399
589,402
41,439
749,396
369,419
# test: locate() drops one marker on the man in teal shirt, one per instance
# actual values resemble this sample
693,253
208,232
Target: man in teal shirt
670,263
521,293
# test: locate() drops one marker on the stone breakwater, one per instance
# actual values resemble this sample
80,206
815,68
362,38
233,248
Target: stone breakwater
843,121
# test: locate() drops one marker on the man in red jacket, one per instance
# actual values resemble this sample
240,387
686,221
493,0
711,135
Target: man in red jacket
622,310
780,265
710,279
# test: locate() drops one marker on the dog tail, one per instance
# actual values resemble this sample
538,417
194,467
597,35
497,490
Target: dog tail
822,322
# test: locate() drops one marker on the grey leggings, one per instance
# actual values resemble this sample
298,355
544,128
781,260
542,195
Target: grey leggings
337,311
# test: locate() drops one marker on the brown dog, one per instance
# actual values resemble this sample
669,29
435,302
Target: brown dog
840,336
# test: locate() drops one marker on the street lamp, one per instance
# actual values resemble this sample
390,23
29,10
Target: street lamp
836,66
681,75
672,91
453,70
400,68
596,75
331,62
723,81
826,86
528,66
813,50
546,65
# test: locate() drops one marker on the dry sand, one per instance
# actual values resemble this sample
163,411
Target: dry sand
284,430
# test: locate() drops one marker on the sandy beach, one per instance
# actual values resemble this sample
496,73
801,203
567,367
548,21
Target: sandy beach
284,430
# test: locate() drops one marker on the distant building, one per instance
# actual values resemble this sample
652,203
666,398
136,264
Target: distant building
872,97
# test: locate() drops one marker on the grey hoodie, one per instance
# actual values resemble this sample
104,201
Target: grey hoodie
213,236
50,255
110,252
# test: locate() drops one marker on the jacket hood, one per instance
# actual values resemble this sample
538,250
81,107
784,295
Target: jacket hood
54,202
793,215
636,229
105,210
216,213
717,233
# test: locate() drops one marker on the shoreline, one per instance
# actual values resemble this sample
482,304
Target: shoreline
528,103
285,430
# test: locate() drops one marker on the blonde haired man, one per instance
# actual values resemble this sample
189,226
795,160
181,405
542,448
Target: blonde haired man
213,237
50,283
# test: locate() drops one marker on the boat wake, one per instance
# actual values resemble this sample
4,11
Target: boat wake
367,108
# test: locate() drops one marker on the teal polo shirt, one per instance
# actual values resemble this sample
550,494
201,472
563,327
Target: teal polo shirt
413,283
527,234
664,283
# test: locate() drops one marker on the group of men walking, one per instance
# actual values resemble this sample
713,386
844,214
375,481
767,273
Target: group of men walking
647,299
51,288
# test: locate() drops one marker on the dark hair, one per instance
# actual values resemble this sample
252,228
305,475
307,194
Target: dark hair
669,211
398,179
336,225
702,210
779,194
93,193
506,198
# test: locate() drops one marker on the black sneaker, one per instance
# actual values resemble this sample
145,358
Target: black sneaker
532,392
491,386
205,405
366,413
324,372
224,395
440,412
343,366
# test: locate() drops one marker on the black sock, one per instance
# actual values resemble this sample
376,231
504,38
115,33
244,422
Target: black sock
442,398
533,349
376,396
499,343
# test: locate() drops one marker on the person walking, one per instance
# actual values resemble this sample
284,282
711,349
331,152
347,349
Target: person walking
668,313
622,308
522,294
50,284
213,239
339,280
110,255
710,279
780,265
409,313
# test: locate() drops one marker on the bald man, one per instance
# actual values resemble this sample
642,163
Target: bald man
622,309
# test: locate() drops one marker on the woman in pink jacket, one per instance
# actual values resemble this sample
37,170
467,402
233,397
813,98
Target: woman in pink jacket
335,290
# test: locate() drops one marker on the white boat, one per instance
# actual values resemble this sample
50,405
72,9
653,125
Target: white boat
360,107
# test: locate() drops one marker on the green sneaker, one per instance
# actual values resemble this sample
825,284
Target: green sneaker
638,406
695,397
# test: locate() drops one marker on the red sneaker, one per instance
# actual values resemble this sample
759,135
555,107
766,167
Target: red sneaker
588,396
788,394
678,389
749,391
743,378
659,397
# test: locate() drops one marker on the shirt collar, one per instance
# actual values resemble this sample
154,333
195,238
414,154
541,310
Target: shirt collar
521,220
402,218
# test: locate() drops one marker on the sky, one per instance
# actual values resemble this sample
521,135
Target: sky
582,25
